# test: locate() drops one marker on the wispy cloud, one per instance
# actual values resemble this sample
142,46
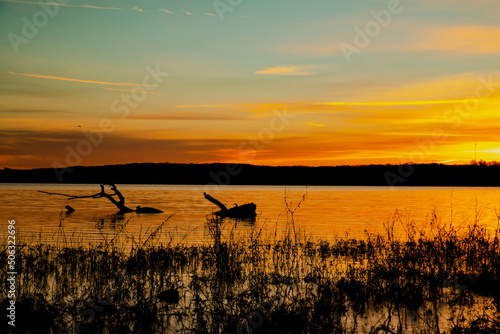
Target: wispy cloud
40,148
203,106
391,103
135,8
452,40
131,91
287,70
462,40
79,80
138,9
61,4
30,111
314,124
164,10
190,116
185,11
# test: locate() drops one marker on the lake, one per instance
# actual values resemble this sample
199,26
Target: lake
326,213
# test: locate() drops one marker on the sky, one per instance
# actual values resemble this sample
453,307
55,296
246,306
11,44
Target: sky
274,82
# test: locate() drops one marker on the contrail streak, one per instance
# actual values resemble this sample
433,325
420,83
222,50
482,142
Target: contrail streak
79,80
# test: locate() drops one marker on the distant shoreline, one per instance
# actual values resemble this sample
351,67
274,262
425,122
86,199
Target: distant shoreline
483,175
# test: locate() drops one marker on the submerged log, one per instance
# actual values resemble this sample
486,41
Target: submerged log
69,209
245,211
147,210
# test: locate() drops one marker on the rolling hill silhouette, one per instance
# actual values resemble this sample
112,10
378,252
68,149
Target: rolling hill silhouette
218,173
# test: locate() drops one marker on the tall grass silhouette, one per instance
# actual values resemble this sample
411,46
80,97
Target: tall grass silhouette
439,278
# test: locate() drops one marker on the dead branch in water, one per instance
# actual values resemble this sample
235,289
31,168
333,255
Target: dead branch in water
120,203
245,211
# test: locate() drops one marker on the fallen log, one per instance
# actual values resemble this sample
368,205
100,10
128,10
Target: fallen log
245,211
119,203
69,210
147,210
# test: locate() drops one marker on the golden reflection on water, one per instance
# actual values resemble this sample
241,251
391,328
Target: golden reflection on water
327,213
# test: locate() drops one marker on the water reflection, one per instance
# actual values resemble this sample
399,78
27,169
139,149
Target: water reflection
328,213
109,221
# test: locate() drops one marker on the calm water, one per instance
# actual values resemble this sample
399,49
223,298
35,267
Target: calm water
327,212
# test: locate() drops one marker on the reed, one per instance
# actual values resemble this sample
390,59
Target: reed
439,278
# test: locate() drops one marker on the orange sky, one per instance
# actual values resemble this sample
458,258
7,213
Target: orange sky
258,84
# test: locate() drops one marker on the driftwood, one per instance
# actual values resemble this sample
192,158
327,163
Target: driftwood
119,201
245,211
216,202
147,210
69,209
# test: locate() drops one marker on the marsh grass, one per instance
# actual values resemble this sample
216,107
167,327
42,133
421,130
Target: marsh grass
439,278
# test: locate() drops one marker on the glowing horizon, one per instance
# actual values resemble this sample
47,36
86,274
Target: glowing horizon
255,84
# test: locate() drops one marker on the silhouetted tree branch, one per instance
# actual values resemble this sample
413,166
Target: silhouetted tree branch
120,203
216,202
245,211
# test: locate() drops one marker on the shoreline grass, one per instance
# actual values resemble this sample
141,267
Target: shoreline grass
438,279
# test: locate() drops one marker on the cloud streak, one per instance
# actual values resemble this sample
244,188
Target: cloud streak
135,8
185,11
165,11
203,106
451,40
190,116
314,124
287,70
61,4
391,103
138,9
79,80
131,91
459,40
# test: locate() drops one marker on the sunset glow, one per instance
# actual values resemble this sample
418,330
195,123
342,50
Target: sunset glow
185,82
